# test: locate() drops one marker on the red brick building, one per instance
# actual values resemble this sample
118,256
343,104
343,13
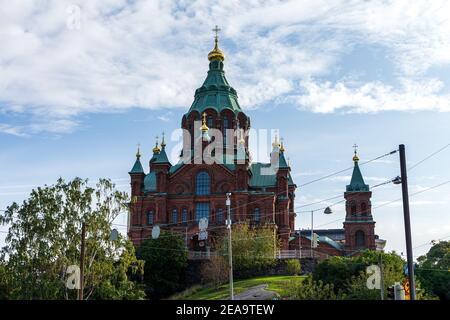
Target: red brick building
358,232
176,196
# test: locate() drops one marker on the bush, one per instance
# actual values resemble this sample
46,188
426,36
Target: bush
293,267
215,271
253,249
309,289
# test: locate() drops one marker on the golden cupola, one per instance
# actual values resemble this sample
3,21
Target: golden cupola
216,53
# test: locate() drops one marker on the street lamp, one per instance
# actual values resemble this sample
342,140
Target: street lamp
326,211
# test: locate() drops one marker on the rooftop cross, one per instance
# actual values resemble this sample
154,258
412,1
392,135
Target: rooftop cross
216,30
355,157
138,153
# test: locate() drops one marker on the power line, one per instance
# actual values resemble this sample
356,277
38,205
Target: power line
349,168
429,156
398,199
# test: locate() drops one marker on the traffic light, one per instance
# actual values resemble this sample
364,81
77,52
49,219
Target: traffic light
391,293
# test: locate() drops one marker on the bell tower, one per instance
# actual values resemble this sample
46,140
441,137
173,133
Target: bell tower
359,227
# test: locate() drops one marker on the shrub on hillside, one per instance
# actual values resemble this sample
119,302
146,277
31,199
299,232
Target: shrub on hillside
293,267
309,289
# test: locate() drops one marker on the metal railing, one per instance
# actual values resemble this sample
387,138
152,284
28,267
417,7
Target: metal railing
281,254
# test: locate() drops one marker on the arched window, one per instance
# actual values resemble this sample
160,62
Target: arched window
209,121
202,183
257,215
353,208
201,210
360,239
174,215
184,215
150,217
363,209
219,216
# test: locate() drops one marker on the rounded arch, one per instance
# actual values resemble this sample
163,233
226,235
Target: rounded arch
353,209
363,208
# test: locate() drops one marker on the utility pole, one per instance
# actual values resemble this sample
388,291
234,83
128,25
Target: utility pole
312,235
407,220
230,250
380,264
82,250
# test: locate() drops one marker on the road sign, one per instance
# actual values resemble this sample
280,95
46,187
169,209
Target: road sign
203,224
155,232
406,288
203,235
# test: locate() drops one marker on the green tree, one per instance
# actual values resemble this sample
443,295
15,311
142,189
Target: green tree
44,239
293,267
348,274
433,270
165,265
254,249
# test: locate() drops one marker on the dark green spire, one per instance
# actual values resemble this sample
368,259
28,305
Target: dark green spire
137,167
161,155
357,183
216,92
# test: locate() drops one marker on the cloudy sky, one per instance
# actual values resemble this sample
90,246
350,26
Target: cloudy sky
82,82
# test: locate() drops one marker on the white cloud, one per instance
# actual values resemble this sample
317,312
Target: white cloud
372,97
152,54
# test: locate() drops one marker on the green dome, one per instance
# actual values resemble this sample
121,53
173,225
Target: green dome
215,93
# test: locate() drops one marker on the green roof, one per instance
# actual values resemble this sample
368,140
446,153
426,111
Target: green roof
160,157
282,161
264,176
329,241
215,93
357,183
137,167
150,182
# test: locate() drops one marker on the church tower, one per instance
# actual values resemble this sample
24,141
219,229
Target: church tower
359,227
215,160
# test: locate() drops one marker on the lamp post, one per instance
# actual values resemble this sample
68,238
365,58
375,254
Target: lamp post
326,211
230,250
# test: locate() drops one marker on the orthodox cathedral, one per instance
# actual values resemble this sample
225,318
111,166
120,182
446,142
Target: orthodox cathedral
177,196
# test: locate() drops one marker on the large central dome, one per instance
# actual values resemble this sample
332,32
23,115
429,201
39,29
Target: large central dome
215,92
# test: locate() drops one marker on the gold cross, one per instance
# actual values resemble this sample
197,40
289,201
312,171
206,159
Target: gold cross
216,30
355,147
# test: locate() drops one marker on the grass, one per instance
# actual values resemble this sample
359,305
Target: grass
279,284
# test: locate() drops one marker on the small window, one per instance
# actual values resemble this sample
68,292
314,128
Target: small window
209,121
184,215
150,217
219,216
363,209
257,215
225,127
174,216
353,208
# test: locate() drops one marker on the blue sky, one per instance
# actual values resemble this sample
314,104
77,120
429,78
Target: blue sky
81,83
